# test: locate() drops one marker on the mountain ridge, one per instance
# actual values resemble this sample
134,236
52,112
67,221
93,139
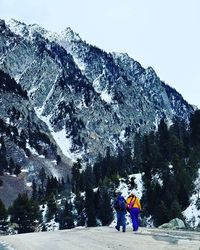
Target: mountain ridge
68,80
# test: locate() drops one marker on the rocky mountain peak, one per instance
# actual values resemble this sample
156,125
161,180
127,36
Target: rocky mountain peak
18,27
80,91
34,28
70,35
29,32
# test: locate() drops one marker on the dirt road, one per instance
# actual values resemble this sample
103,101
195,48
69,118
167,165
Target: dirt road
103,238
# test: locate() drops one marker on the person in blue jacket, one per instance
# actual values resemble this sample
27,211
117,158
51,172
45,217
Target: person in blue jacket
120,208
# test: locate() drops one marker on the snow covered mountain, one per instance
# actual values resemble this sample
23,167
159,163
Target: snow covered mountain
88,99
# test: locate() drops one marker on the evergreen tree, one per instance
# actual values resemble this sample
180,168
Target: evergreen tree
11,166
176,146
127,167
22,141
104,207
89,206
2,146
99,170
61,185
1,170
68,180
163,139
76,176
17,169
138,150
180,129
146,163
25,213
3,217
34,191
79,205
52,208
161,213
88,176
42,177
121,168
195,127
3,159
41,195
66,218
108,163
52,186
4,163
175,210
169,160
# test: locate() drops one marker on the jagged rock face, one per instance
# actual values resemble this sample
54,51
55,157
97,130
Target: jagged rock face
25,141
21,131
88,98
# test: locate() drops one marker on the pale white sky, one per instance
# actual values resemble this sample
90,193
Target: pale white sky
164,34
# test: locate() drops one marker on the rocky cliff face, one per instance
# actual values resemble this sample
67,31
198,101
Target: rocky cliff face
88,99
26,145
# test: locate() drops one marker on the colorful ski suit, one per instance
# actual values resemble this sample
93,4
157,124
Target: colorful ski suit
133,206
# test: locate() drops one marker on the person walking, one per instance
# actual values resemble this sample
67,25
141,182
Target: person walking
120,207
133,206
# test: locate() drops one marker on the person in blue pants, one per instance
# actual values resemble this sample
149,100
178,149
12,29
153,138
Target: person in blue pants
120,207
135,218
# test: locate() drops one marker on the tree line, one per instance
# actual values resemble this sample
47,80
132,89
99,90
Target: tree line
168,160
